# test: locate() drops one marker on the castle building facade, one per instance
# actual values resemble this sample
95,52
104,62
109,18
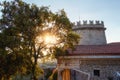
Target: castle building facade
93,58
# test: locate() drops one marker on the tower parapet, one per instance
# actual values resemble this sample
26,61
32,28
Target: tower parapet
89,24
91,32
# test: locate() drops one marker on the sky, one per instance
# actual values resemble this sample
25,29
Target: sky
103,10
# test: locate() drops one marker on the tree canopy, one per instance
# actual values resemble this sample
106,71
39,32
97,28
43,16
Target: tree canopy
24,29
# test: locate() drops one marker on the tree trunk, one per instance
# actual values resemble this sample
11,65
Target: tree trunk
34,69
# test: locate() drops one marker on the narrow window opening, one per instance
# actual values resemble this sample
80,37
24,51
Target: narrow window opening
97,73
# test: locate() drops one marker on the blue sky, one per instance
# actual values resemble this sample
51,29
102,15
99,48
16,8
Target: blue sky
105,10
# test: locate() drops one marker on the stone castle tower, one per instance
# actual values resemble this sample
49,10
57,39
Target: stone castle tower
91,33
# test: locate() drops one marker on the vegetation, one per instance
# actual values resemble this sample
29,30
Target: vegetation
23,30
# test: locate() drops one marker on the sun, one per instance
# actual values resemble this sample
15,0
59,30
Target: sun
50,40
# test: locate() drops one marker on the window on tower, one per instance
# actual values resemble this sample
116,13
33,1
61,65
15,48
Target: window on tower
96,73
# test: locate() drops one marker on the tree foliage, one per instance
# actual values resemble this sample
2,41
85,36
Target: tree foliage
22,31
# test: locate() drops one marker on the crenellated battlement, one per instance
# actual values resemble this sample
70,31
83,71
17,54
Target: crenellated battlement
90,22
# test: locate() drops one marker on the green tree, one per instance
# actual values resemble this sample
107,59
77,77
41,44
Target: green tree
25,27
12,59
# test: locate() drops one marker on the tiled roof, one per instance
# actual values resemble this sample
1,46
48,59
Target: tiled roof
108,49
114,43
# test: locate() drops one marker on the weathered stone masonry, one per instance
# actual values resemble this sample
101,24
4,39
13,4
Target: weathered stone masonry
93,58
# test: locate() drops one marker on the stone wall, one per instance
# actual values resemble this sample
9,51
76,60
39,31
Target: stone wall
108,68
92,37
